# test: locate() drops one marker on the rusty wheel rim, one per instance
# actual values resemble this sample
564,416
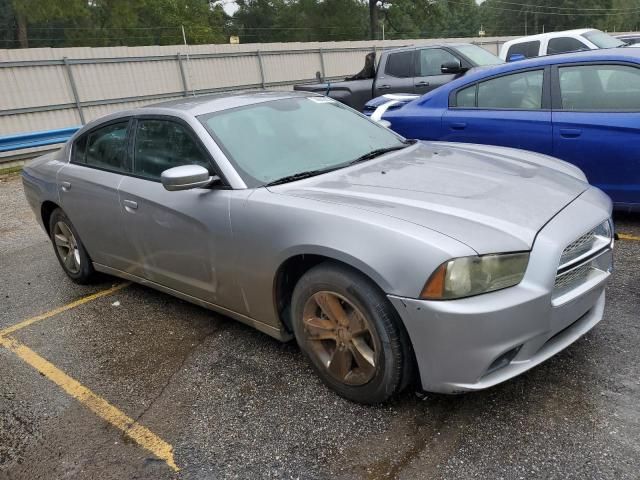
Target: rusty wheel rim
67,247
340,338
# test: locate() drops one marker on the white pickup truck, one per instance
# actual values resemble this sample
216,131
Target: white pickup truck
557,42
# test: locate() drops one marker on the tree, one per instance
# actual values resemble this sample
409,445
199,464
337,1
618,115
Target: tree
534,16
32,11
114,22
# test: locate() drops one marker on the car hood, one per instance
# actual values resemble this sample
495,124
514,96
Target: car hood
492,199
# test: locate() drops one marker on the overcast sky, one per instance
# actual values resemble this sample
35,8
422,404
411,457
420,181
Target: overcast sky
230,5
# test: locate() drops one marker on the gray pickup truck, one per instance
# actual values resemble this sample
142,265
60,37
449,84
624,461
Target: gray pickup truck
415,69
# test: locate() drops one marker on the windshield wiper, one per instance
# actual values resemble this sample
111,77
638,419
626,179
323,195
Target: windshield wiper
380,151
300,176
313,173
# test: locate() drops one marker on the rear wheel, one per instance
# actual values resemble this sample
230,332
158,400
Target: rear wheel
69,248
351,334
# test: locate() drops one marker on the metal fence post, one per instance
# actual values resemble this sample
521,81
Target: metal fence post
74,90
322,70
185,85
262,80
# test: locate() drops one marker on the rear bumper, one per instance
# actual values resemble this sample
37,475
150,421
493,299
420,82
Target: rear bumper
475,343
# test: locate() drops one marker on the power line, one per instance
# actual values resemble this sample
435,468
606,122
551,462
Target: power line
533,9
604,9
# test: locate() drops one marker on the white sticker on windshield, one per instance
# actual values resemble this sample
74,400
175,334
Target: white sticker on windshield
321,99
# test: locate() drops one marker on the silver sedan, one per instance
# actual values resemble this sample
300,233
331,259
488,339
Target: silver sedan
392,262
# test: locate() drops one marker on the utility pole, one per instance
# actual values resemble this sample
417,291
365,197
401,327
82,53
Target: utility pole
373,19
525,23
186,46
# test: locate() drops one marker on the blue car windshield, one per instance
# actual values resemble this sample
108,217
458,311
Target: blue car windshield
276,139
479,55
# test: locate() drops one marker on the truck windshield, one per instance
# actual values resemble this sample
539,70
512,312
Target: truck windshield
479,55
289,137
602,40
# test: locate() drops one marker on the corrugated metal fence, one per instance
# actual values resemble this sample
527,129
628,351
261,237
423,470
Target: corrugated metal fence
47,88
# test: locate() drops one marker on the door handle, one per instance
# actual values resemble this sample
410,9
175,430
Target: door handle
130,205
458,125
570,132
384,87
422,84
66,186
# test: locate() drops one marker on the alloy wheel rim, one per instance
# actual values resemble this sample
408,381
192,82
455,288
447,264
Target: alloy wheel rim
67,247
340,338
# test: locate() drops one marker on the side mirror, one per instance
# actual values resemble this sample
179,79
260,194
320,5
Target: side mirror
186,177
451,67
514,57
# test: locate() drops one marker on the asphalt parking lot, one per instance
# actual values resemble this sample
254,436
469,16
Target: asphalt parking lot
132,383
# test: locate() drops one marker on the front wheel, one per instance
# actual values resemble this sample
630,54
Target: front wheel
351,334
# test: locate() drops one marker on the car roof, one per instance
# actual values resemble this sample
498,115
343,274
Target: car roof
429,45
621,54
540,36
209,103
599,55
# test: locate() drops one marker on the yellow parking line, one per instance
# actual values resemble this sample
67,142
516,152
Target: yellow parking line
141,435
68,306
626,236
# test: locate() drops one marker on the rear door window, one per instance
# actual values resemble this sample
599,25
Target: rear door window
400,65
528,49
565,44
611,88
163,144
104,147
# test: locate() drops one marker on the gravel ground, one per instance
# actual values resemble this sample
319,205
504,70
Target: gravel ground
235,403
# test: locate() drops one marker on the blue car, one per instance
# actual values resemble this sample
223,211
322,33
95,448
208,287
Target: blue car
580,107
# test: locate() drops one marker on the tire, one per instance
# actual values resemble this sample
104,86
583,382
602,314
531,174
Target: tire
359,348
69,250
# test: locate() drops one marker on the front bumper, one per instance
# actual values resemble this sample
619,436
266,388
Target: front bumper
475,343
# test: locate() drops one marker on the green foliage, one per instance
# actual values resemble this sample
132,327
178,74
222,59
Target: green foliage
61,23
300,20
504,18
148,22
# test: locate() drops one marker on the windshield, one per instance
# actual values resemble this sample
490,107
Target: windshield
280,138
602,40
479,55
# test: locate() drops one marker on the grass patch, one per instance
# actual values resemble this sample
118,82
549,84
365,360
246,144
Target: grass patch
10,170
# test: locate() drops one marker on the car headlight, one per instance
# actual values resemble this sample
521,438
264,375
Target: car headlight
467,276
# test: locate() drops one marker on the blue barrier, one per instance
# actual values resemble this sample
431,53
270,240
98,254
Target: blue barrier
36,139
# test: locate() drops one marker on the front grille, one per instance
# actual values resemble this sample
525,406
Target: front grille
586,244
576,262
573,277
578,247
